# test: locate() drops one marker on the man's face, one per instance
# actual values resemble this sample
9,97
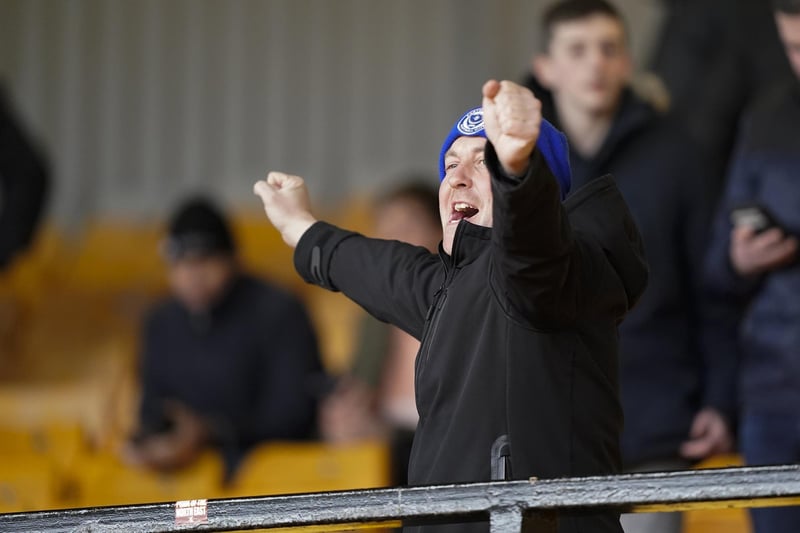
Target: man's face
466,190
587,65
404,219
789,30
200,281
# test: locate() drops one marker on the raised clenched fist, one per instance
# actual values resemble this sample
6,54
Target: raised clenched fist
512,117
286,203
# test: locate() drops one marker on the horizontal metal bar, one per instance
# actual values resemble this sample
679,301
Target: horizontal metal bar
731,487
506,521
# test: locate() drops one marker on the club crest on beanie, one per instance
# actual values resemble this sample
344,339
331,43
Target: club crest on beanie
551,143
469,125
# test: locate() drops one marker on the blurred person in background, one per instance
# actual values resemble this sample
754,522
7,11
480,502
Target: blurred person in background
714,57
678,387
376,396
753,266
24,181
227,361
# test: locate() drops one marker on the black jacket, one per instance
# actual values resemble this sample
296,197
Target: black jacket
250,367
676,349
715,56
766,172
518,329
24,182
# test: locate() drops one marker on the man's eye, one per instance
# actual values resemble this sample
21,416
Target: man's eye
482,161
450,166
576,50
610,49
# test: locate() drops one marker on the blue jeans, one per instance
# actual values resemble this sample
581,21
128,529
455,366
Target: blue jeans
771,439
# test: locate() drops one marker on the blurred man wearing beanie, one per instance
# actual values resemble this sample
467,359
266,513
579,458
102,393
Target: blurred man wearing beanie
517,370
227,361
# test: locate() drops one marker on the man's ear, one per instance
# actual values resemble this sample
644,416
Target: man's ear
542,69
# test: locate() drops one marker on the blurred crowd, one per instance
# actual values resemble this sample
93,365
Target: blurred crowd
704,143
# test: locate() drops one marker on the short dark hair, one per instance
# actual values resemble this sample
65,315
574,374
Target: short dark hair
419,191
788,7
570,10
198,227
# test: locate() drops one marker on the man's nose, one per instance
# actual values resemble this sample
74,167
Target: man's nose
596,56
460,177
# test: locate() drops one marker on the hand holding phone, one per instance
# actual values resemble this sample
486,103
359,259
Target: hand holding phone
754,216
759,244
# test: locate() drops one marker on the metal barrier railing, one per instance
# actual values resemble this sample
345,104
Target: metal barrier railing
509,505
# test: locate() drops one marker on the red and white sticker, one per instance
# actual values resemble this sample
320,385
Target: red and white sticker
191,512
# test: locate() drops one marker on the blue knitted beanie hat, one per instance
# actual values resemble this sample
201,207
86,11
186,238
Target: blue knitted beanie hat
551,143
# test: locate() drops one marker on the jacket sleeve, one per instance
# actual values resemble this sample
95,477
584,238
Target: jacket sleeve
24,183
152,416
393,281
542,272
742,188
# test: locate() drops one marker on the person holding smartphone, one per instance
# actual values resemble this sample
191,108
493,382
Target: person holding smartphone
753,265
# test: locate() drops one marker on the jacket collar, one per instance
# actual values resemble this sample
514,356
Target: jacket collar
232,291
633,114
469,242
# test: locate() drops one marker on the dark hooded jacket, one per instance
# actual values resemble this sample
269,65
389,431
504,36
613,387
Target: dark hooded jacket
518,330
765,172
714,57
24,182
250,367
677,348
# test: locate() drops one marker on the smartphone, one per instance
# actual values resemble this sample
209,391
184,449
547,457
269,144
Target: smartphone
755,216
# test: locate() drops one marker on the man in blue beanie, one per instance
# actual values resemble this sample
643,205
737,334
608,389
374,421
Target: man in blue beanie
516,376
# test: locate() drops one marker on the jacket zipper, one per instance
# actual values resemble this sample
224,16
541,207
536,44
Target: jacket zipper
434,313
433,316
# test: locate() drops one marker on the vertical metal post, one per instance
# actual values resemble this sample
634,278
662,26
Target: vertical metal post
514,520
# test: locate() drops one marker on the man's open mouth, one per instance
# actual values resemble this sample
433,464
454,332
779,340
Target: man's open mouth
463,210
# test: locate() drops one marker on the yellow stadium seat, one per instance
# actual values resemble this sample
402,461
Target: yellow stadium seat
27,483
118,255
36,269
356,213
59,387
262,250
10,311
336,320
283,468
104,480
50,453
24,284
59,443
718,520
